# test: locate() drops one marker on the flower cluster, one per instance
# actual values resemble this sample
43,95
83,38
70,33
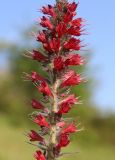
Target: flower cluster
60,39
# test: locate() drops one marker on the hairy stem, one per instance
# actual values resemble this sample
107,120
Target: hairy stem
55,97
53,135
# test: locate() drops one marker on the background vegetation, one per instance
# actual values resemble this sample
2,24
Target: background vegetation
96,142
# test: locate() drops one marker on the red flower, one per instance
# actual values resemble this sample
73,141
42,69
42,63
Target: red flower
75,31
36,55
37,105
39,155
68,17
49,10
61,29
58,63
72,6
77,22
34,136
63,141
64,108
73,59
44,88
41,37
45,22
70,79
53,45
73,44
71,128
35,77
41,121
71,99
65,105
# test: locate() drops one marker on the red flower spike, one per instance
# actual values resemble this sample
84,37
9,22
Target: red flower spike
35,77
58,45
38,56
71,128
58,63
61,29
63,141
44,88
34,136
45,22
41,121
71,79
39,156
36,105
41,37
74,59
73,44
49,10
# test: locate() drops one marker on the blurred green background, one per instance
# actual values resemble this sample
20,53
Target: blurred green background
96,142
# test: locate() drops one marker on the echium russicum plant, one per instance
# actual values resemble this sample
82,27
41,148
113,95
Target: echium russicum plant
60,39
